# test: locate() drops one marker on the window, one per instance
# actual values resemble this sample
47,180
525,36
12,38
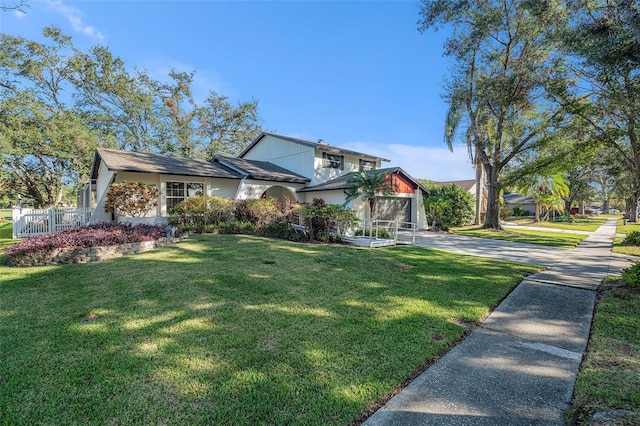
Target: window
180,191
367,165
332,161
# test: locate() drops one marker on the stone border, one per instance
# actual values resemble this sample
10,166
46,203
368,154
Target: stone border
68,255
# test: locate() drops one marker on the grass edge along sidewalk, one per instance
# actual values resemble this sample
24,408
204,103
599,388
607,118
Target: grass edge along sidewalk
608,383
235,330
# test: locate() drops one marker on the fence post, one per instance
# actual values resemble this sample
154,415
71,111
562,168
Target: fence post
15,218
52,219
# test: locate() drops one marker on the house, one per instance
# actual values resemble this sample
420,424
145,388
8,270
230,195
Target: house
272,165
526,203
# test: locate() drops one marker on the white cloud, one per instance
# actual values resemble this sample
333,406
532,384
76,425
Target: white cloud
421,162
74,16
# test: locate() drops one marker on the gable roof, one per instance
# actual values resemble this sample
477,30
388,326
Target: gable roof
144,162
342,182
316,145
261,170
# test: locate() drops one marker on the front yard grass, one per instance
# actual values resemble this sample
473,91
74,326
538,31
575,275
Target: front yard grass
609,378
554,239
233,330
6,230
621,228
589,224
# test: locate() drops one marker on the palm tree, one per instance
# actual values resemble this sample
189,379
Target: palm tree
545,191
369,185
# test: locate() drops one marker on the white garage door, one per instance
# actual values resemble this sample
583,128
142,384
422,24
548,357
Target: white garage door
390,208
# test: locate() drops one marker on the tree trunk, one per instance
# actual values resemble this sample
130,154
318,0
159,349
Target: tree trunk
567,206
538,211
479,189
492,219
581,203
605,205
631,208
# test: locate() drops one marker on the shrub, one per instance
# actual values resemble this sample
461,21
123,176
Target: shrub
283,231
564,217
447,206
237,227
519,211
323,219
131,199
93,235
632,275
505,212
632,239
259,212
202,210
382,233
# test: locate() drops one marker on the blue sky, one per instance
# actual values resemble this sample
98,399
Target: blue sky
357,74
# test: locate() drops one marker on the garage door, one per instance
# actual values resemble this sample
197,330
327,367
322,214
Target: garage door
394,209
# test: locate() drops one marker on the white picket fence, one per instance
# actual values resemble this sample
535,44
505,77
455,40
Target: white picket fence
30,222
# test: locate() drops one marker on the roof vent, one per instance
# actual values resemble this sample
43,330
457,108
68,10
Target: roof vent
322,142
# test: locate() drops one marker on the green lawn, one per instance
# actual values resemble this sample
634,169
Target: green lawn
628,228
586,224
6,213
554,239
5,235
621,228
609,377
233,330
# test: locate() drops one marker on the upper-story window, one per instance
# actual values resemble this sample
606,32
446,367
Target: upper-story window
367,165
180,191
332,161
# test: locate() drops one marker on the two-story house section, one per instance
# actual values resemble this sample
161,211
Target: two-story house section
317,161
329,169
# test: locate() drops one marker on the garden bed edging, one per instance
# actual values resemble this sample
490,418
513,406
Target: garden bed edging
66,255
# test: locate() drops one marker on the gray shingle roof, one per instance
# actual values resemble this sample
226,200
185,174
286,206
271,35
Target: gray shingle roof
342,182
515,198
316,145
143,162
261,170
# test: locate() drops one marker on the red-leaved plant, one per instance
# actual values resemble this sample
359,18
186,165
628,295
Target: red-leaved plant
93,235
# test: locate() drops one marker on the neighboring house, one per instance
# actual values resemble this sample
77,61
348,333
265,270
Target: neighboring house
513,199
272,166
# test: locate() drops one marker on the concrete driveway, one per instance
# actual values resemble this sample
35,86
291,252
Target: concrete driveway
506,250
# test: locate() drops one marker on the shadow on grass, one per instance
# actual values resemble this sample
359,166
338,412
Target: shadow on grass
234,330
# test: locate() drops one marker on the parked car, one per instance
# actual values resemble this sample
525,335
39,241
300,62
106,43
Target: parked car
587,210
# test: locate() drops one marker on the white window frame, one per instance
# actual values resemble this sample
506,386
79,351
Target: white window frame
332,161
185,192
367,165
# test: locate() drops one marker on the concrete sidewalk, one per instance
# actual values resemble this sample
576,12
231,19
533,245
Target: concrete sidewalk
520,367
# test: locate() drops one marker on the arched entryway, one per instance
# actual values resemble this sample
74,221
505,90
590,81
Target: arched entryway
280,193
